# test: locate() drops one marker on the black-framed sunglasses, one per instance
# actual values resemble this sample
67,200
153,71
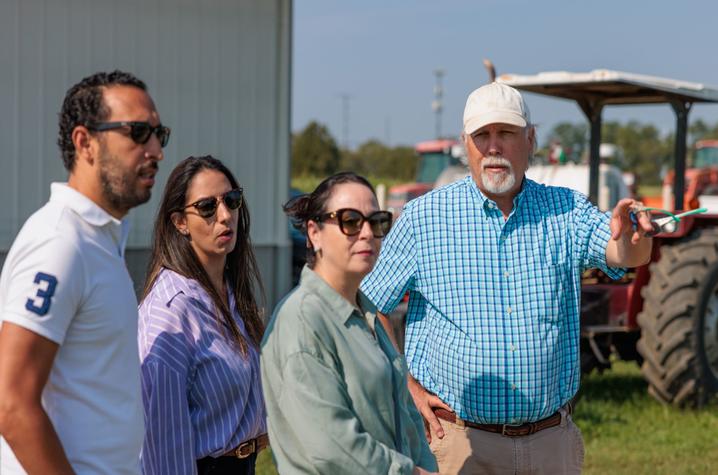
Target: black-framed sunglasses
140,132
207,207
351,221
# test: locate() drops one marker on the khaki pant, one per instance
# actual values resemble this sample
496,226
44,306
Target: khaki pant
463,450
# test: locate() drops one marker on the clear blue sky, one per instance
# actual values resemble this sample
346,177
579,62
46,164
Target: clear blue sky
382,53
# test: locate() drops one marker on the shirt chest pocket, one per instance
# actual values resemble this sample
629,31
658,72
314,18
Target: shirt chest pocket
545,279
546,292
552,246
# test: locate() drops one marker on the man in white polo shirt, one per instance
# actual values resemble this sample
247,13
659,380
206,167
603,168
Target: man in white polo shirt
70,398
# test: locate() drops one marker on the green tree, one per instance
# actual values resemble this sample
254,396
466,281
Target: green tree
314,152
375,159
699,130
573,139
644,149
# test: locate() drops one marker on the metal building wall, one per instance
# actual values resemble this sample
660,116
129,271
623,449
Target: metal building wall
218,70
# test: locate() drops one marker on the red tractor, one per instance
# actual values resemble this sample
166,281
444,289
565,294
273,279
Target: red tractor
434,156
665,314
701,179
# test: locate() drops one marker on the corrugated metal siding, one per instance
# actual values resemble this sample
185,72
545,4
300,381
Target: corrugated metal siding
219,74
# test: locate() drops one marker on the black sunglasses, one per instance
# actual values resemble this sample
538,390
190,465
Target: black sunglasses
140,132
207,207
351,221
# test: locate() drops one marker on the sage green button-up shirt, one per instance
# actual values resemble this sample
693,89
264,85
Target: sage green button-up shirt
335,388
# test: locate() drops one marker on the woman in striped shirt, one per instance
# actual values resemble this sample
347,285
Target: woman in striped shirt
200,328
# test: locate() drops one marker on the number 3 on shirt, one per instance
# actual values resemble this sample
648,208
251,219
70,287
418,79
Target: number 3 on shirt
44,294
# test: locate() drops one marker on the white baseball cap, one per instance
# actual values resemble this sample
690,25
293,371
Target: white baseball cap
495,103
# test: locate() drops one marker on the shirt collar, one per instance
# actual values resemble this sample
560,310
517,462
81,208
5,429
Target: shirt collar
526,187
90,212
81,204
170,284
175,284
338,304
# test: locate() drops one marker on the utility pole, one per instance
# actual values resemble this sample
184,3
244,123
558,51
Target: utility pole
387,131
437,105
345,118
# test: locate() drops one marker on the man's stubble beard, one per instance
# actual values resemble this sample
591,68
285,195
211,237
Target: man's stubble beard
119,187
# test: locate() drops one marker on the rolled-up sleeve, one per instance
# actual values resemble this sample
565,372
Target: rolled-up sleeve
592,236
315,401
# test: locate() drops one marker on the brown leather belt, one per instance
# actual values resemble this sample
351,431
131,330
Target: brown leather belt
245,449
508,430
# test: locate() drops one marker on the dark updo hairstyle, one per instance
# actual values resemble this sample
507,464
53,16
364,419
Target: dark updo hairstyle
173,250
304,208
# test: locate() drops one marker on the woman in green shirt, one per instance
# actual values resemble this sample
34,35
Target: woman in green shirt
334,385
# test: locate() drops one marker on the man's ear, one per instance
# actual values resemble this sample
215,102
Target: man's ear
532,137
180,222
85,145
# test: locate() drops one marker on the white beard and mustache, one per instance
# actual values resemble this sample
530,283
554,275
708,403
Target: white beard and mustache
497,183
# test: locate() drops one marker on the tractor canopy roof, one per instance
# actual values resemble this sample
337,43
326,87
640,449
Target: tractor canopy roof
611,87
601,87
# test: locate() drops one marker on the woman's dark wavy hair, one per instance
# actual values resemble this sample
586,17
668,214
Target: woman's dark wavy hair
84,104
304,208
173,251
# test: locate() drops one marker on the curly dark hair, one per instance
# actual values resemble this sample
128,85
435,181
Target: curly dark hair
83,104
304,208
172,250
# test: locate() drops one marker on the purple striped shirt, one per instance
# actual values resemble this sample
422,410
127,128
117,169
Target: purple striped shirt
201,396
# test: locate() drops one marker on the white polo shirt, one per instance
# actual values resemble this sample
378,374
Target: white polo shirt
65,279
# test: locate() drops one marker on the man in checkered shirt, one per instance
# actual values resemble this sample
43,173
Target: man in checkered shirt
493,264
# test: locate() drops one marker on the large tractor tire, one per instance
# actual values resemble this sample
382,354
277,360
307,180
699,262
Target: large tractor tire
679,322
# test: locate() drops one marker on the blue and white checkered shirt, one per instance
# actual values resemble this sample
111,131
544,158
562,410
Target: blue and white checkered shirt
494,304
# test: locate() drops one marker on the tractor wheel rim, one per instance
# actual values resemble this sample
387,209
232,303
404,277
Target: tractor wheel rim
710,332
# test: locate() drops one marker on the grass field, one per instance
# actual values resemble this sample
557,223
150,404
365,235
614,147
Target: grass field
627,432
